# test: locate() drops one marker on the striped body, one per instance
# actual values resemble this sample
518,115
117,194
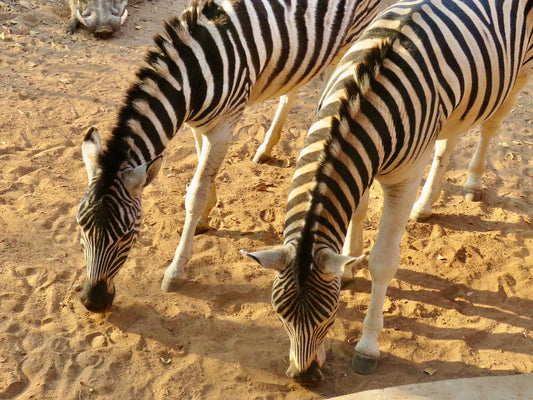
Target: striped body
220,56
404,84
207,66
423,71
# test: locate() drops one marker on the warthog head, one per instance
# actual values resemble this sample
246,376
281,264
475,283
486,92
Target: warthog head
100,17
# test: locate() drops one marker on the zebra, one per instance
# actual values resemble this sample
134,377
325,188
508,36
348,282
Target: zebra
422,73
205,68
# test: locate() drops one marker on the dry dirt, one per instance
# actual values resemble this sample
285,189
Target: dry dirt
460,306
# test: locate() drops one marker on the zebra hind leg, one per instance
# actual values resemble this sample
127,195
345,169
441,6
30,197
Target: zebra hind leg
473,186
353,245
214,148
264,152
422,209
202,226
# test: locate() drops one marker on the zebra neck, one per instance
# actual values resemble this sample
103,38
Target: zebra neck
148,120
332,173
154,110
156,106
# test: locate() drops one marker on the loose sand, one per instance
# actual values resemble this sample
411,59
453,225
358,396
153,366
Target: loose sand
460,306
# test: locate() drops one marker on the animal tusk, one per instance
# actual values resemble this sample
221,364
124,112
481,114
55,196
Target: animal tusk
80,18
123,17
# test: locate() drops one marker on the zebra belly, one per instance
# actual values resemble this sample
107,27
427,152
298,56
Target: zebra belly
404,171
263,91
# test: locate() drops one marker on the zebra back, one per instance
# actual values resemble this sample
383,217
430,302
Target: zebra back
422,68
219,56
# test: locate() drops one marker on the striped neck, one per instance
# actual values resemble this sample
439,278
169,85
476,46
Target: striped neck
342,153
175,85
169,90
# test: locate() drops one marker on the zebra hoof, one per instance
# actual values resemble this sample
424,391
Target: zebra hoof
347,278
471,194
420,216
261,158
201,229
172,285
364,365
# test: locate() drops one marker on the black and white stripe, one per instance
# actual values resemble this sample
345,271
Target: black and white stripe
220,56
423,71
206,67
108,232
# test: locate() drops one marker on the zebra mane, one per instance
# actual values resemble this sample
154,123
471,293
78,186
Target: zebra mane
212,11
368,66
178,31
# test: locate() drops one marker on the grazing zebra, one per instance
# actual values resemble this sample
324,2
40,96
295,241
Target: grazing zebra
423,71
209,63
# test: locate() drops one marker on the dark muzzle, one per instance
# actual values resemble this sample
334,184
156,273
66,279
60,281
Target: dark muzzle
310,377
97,298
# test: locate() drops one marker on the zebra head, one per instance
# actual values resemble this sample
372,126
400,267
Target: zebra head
110,219
306,306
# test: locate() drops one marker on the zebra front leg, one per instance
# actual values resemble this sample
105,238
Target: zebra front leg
476,168
431,190
383,262
264,152
353,244
214,148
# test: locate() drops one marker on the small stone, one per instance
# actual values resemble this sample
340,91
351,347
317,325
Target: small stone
437,231
99,342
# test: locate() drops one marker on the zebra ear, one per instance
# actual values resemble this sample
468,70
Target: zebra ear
153,169
332,263
136,179
91,149
277,259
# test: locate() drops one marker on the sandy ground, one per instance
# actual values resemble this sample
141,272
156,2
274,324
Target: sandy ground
460,306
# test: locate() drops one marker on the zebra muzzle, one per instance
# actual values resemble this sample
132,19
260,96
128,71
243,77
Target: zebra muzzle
97,298
309,377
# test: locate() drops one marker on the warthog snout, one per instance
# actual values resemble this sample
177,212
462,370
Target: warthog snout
100,17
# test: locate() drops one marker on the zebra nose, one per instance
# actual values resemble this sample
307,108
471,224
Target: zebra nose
97,298
311,376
